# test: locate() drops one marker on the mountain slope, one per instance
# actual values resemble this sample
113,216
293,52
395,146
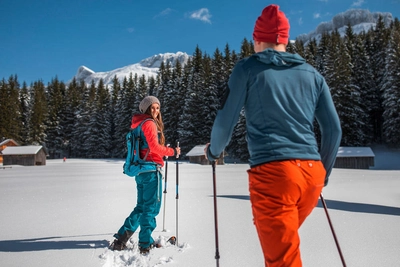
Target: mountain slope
359,19
147,67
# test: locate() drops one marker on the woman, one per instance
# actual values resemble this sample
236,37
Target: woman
148,185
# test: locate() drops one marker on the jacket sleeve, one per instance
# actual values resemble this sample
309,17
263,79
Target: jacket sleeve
331,131
149,129
228,115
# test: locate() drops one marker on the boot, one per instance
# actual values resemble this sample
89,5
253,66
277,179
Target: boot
145,251
120,242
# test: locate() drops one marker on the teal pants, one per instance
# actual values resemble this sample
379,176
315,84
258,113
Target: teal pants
149,189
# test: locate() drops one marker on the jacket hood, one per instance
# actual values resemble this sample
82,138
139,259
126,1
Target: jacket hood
138,118
281,59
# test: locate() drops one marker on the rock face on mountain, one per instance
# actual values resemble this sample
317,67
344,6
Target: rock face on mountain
83,73
147,67
359,19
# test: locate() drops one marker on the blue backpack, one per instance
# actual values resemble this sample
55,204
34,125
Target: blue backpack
135,141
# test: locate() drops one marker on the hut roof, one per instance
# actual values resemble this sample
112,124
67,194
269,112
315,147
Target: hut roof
355,152
196,151
8,140
21,150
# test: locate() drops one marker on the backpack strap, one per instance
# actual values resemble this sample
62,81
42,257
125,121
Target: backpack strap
137,141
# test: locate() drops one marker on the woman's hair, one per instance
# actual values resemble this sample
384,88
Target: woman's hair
160,125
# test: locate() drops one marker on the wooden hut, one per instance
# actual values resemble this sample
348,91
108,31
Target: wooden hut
24,155
4,144
355,158
196,155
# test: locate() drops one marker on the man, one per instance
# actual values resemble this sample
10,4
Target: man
281,95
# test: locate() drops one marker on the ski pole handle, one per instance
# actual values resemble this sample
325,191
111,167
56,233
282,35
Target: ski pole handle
177,145
166,157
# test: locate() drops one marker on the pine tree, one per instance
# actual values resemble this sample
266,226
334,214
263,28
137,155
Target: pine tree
25,114
182,94
83,116
290,48
152,84
355,114
10,121
378,60
122,119
322,59
237,148
116,87
165,85
3,106
391,90
172,105
364,79
344,93
54,130
142,88
192,119
246,48
212,86
310,53
299,47
39,113
72,98
99,137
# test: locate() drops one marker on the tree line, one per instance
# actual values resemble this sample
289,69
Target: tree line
91,121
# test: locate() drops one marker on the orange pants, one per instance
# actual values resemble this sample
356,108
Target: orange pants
282,195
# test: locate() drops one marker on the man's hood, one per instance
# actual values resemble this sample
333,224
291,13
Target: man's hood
270,56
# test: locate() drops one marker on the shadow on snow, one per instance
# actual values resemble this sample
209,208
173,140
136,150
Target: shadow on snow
343,205
49,243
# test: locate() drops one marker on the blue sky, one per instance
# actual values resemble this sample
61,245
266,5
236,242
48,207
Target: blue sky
47,38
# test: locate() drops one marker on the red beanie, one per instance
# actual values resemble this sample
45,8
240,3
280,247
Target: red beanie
272,26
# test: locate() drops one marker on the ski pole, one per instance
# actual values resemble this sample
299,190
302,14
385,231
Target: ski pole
177,192
333,231
215,214
165,190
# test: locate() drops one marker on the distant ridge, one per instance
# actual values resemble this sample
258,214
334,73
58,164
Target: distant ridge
359,19
147,67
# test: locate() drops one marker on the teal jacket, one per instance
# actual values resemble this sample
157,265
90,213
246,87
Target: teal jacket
281,95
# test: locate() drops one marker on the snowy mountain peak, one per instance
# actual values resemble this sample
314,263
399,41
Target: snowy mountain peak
147,67
359,19
171,58
83,73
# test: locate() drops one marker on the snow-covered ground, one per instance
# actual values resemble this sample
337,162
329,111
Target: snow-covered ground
65,213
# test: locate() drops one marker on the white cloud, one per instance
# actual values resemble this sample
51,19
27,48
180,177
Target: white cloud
358,3
130,30
163,13
300,21
202,14
318,15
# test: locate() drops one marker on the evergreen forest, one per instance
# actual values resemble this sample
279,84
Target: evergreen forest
90,121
